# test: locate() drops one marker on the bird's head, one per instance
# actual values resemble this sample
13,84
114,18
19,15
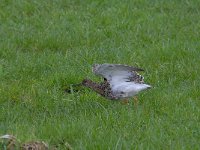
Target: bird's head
86,82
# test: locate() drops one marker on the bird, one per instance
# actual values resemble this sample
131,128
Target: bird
10,142
120,81
34,145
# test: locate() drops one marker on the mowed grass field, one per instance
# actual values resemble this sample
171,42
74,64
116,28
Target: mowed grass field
47,45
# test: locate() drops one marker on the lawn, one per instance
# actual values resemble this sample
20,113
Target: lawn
47,45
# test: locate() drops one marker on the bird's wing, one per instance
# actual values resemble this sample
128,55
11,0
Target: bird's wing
117,73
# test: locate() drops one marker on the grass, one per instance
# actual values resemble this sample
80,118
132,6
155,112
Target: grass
47,45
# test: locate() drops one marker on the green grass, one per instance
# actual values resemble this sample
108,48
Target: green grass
47,45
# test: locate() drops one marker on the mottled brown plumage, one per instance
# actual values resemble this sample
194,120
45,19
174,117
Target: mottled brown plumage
103,88
9,142
35,145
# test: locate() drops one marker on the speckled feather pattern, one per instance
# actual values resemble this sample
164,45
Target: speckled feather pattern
103,88
137,78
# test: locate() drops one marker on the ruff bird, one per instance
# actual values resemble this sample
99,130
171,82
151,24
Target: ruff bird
120,81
